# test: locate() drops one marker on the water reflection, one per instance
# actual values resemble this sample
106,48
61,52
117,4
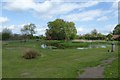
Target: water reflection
43,46
94,46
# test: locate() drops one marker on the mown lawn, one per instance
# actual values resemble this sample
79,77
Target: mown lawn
112,71
54,63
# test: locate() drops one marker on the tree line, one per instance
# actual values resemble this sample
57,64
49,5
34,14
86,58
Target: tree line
58,29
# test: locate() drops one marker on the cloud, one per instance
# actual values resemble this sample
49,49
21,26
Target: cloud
103,18
110,27
11,27
19,5
48,8
83,29
3,19
68,0
40,30
107,28
83,16
79,30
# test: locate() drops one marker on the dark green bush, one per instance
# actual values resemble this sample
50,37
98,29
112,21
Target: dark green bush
30,54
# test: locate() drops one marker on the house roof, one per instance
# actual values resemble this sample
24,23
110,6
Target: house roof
116,36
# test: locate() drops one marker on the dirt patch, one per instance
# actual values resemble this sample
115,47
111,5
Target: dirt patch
96,72
93,72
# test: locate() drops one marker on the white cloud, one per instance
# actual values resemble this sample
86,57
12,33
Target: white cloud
107,28
110,27
3,19
83,29
47,8
68,0
79,30
40,30
103,18
11,27
19,5
83,16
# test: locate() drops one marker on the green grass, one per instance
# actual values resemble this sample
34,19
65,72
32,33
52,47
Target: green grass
54,63
111,71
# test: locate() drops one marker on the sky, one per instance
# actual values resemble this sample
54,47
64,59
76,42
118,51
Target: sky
87,15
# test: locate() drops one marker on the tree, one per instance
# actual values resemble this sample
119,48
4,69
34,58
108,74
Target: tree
28,30
100,36
61,30
116,30
94,35
6,34
109,36
42,37
94,32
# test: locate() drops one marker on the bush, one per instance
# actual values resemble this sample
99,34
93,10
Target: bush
30,54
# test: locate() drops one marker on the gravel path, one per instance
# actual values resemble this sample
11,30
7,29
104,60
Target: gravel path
96,72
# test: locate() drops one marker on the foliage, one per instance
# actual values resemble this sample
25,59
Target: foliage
94,35
30,54
61,30
109,36
28,30
94,32
116,30
42,37
6,34
64,44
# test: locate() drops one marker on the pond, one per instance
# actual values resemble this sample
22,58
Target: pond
94,46
44,46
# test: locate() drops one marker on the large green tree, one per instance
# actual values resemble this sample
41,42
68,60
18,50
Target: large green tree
61,30
28,30
116,30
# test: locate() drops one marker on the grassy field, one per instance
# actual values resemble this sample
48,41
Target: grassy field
54,63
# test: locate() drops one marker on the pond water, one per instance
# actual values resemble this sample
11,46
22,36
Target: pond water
44,46
93,46
82,48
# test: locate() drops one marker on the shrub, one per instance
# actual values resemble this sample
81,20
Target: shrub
30,54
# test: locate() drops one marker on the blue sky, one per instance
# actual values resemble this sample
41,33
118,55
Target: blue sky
87,15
